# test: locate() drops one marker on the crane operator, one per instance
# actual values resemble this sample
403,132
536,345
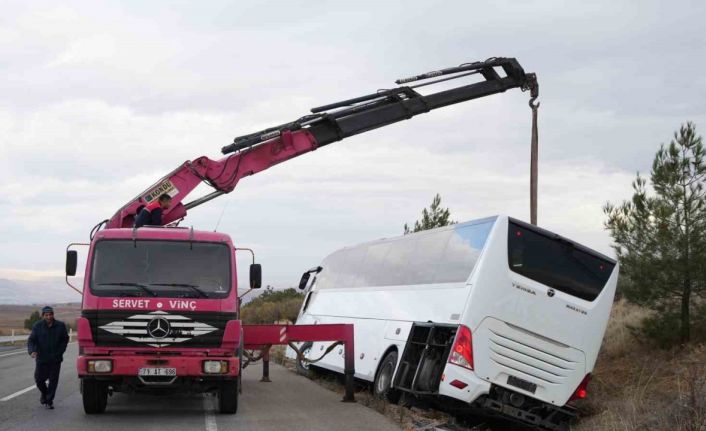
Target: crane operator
151,214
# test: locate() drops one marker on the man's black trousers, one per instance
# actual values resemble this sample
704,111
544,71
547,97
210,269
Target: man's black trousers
45,372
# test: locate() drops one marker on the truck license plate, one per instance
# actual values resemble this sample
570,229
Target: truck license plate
157,372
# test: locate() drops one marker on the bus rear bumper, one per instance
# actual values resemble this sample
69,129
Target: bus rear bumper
462,384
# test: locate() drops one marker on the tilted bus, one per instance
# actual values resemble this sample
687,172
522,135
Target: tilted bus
493,315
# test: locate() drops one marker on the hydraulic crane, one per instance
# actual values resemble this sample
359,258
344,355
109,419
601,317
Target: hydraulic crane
161,309
255,152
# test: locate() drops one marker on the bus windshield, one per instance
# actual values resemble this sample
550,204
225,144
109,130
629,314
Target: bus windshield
161,268
557,262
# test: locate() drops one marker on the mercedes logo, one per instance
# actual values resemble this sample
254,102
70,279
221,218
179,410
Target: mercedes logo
550,292
158,328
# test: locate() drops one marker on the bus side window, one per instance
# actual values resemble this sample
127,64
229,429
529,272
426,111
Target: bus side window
462,252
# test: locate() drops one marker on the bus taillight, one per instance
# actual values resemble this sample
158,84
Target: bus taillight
462,349
582,390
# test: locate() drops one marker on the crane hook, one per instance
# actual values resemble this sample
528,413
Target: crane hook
532,103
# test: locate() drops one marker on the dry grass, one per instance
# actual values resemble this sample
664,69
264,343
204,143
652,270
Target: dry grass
13,316
638,387
619,339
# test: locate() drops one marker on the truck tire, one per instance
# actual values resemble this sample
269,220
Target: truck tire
382,385
95,396
303,368
228,397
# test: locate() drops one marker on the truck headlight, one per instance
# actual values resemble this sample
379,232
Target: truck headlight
215,367
100,366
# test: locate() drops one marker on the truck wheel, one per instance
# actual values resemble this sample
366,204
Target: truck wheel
303,368
228,397
95,396
382,386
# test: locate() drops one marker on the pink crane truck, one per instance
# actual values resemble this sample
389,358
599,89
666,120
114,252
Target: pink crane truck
160,310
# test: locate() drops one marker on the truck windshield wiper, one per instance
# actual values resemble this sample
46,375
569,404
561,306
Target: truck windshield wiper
190,286
141,286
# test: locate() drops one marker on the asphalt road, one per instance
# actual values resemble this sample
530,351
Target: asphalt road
289,402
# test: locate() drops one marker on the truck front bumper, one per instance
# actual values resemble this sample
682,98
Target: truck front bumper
189,371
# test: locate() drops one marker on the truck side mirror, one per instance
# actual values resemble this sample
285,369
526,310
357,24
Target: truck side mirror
304,281
255,276
71,262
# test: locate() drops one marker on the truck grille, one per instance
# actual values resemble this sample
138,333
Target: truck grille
157,328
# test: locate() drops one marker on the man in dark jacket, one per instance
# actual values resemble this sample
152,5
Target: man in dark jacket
47,344
151,214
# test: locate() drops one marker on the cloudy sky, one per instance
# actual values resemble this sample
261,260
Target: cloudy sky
98,100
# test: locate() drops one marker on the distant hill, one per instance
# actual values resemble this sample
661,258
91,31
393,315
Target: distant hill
50,290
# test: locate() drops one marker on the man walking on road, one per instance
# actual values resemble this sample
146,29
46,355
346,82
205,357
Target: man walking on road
47,344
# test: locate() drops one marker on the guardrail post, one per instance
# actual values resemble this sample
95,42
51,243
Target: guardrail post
349,366
266,364
12,338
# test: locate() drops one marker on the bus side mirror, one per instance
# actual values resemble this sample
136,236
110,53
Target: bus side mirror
255,276
305,279
71,262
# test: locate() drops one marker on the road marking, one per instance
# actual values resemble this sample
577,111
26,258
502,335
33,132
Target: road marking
18,393
210,417
17,352
14,352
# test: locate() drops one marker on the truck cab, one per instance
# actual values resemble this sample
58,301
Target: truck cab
160,313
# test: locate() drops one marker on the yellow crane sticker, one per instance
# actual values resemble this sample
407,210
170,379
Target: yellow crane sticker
165,186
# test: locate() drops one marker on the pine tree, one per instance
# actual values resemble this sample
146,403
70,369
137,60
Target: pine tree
435,216
660,236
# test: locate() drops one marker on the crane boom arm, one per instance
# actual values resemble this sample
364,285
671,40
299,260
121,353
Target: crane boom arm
255,152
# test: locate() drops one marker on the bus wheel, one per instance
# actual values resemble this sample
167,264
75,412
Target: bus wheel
303,368
95,396
228,397
382,386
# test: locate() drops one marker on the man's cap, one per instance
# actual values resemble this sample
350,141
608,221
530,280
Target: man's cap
47,309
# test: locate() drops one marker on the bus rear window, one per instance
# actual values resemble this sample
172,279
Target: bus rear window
557,263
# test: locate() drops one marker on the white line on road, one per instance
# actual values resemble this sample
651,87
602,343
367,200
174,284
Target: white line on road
14,352
210,417
18,393
17,352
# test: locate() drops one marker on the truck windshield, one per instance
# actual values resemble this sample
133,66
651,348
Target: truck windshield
557,262
161,268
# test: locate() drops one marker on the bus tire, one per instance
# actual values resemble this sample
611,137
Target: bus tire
95,396
304,368
228,397
382,385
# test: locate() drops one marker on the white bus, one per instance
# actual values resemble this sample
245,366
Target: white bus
493,315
